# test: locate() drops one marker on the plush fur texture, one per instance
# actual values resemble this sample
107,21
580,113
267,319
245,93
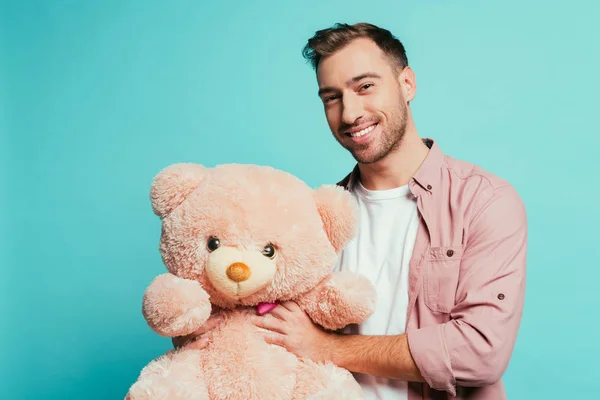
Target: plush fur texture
235,236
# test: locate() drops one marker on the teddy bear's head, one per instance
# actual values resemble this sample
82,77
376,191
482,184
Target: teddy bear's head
249,233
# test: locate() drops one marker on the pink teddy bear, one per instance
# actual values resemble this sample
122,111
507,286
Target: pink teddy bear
236,240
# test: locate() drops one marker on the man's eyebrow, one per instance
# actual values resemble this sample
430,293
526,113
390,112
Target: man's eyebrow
361,77
350,81
327,89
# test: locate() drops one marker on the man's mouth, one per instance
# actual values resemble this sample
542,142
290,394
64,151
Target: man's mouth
361,132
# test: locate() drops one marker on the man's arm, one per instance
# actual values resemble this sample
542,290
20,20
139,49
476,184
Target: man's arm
385,356
389,356
289,326
474,347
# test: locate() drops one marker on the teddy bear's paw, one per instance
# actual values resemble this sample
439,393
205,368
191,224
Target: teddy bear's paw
176,375
174,306
357,292
345,299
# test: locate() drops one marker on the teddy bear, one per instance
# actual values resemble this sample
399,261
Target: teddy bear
237,240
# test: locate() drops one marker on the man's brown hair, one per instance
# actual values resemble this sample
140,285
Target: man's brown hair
327,41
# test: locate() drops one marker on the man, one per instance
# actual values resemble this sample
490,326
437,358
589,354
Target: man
443,241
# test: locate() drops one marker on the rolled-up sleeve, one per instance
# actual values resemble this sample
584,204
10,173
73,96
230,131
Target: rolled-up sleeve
474,347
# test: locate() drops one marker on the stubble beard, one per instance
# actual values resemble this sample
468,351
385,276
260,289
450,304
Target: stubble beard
388,142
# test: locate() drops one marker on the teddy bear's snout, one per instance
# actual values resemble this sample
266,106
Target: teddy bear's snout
238,272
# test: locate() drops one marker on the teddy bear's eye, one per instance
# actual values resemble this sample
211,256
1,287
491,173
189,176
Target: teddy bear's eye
213,244
269,251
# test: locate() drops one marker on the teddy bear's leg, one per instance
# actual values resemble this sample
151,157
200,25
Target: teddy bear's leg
177,375
325,381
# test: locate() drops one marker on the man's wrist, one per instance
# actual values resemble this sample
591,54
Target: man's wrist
331,347
386,356
336,348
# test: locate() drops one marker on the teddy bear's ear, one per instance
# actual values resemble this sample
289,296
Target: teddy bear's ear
173,184
339,213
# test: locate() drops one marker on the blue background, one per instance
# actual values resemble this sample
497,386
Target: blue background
96,98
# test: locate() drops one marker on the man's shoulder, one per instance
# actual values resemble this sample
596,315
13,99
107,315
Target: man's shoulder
477,182
469,171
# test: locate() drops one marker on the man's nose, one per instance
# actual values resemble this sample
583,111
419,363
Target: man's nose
352,109
238,272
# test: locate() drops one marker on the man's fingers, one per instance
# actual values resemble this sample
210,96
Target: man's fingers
279,312
269,322
198,344
273,338
290,306
210,324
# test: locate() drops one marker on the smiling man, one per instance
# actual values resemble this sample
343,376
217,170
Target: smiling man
443,240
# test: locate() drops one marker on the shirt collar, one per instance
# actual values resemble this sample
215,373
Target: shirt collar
426,179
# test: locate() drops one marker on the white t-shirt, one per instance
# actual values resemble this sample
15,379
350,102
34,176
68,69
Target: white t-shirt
382,251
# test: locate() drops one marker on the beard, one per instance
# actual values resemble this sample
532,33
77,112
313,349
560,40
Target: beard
388,141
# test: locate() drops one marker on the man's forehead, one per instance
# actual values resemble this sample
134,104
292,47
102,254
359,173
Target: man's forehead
356,58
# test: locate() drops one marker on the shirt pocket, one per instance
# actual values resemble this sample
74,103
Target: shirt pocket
441,277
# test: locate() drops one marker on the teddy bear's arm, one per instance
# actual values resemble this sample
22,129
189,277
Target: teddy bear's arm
344,298
173,306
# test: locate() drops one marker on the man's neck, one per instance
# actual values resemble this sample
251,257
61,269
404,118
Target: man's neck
398,167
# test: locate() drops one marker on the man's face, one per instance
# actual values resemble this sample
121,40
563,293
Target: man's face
363,101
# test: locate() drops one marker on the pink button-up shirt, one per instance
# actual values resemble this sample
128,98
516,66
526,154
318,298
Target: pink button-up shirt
466,279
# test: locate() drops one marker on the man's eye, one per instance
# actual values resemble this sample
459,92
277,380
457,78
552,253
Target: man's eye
330,98
366,86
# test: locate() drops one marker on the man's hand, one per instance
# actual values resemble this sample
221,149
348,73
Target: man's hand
199,339
386,356
290,327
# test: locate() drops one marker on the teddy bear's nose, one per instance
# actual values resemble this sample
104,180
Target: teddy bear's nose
238,272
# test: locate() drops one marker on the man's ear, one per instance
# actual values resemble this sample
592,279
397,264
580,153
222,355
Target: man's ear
173,184
339,213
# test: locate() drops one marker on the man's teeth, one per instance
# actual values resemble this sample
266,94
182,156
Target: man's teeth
363,132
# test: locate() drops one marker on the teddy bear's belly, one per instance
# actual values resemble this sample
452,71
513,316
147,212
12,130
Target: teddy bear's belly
240,364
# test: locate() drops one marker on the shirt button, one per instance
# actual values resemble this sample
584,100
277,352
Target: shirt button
501,296
450,253
428,187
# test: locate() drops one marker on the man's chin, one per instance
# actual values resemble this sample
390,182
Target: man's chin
365,153
369,156
371,153
362,153
367,161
